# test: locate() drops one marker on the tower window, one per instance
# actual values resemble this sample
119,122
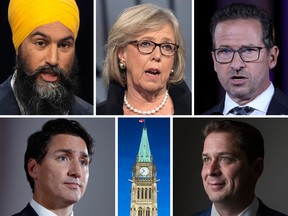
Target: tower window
140,212
148,212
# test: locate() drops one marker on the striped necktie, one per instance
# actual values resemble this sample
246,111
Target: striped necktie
246,110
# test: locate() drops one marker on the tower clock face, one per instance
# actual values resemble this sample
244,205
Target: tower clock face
144,171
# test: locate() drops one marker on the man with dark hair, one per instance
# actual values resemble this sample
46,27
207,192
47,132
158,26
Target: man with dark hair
243,53
45,80
57,167
233,161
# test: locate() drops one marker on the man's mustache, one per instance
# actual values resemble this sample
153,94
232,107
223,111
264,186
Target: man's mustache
48,69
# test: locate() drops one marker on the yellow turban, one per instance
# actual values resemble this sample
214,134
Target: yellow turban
26,15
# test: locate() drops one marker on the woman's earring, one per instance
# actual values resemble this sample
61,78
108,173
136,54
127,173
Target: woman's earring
122,65
172,71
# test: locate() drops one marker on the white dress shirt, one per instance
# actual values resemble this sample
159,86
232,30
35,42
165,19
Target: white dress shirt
251,210
41,210
260,103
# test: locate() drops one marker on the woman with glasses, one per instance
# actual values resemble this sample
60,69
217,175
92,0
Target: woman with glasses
144,65
243,53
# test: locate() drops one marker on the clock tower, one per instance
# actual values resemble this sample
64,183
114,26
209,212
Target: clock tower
144,181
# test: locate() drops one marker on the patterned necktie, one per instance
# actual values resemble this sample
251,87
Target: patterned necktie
242,110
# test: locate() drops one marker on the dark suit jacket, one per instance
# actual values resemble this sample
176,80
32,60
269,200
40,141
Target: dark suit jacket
9,106
277,106
179,93
263,210
27,211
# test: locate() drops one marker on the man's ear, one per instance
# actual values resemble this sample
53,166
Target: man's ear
259,166
274,52
32,167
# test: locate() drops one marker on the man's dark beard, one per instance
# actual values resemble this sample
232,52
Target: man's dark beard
45,98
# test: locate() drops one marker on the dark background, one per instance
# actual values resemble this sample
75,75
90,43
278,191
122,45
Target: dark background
207,89
189,195
84,48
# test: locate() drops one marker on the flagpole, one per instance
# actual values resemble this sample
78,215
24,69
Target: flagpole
142,121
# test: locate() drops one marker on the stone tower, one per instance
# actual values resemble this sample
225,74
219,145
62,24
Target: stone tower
144,181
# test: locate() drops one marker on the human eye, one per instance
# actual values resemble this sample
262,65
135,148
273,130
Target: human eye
226,159
145,44
40,43
248,50
84,162
224,51
206,160
167,46
62,158
65,45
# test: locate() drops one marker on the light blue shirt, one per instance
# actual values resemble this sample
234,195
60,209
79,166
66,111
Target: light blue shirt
260,103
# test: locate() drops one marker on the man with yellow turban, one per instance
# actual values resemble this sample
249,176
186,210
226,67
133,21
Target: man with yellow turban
44,82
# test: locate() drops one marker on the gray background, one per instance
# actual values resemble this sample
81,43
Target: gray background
106,14
188,192
99,198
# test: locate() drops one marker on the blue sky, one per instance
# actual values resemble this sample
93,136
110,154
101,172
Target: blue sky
129,136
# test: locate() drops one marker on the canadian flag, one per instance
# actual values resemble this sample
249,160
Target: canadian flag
141,120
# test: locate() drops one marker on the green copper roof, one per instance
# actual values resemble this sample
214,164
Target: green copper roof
144,154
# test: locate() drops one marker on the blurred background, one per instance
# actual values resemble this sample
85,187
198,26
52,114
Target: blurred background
106,14
99,198
84,48
207,89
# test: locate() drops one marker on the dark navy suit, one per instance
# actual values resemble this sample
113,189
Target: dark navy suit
27,211
9,106
277,106
263,210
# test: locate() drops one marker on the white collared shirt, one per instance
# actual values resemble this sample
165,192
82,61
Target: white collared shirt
41,210
260,103
251,210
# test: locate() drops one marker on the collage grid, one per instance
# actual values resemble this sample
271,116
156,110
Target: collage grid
175,142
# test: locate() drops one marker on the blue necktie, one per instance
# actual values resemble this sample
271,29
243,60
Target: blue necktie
246,110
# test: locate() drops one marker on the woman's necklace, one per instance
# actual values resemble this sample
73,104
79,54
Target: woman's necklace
150,112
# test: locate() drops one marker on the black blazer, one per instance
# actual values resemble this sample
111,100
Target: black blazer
277,106
263,210
179,93
27,211
9,106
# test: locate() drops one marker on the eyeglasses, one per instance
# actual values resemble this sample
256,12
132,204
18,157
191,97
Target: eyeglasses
247,54
147,47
